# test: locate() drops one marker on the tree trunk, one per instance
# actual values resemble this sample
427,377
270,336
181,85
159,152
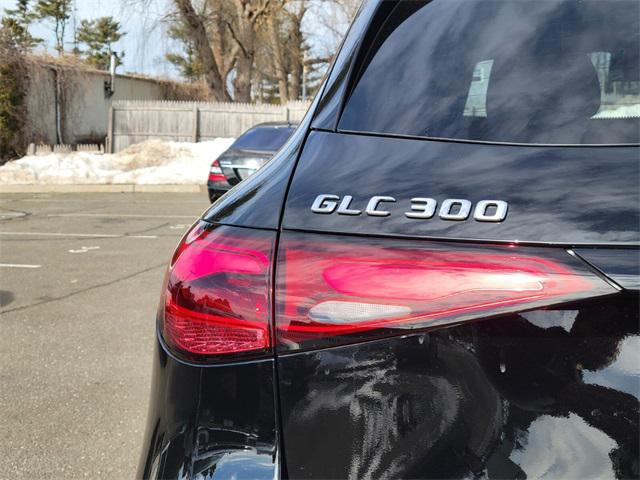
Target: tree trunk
297,54
278,59
198,34
242,82
245,37
224,53
297,59
59,37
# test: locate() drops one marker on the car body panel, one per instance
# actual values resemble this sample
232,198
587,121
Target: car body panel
621,265
204,421
547,392
556,195
217,189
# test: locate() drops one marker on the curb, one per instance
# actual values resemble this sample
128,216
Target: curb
103,188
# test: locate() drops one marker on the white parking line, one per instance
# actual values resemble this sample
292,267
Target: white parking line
84,249
124,215
80,235
17,265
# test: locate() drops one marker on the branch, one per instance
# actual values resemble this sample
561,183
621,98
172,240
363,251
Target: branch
236,39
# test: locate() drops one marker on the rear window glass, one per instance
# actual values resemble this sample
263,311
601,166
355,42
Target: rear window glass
263,138
544,72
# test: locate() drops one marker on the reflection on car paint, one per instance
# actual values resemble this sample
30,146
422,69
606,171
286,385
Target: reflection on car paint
203,422
503,398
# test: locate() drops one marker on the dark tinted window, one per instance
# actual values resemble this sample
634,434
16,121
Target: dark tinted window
543,71
263,138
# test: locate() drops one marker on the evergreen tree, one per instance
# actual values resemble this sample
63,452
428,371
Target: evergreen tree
57,12
185,61
99,35
12,96
16,23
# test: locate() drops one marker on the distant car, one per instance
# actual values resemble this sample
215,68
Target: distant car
249,152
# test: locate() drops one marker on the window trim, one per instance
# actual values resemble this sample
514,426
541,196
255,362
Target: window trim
481,142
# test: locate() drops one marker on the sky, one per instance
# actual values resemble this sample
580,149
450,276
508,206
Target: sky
146,42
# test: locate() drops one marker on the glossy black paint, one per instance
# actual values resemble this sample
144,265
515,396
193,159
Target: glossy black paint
258,201
217,189
568,196
550,392
215,422
621,265
171,418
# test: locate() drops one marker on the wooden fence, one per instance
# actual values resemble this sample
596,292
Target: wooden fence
133,122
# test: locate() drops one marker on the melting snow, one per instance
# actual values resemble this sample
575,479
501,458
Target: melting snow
150,162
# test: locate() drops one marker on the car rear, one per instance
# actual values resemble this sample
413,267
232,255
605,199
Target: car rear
437,276
217,183
250,152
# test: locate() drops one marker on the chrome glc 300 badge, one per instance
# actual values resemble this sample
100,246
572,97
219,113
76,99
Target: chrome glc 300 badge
455,209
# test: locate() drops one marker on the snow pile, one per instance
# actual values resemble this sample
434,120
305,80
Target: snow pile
152,162
618,111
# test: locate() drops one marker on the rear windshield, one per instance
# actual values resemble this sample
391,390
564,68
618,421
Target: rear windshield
543,71
269,139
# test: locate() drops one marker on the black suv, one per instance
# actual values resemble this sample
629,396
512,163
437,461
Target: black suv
437,276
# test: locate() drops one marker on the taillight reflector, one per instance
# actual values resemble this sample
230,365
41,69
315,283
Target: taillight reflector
216,298
330,287
215,174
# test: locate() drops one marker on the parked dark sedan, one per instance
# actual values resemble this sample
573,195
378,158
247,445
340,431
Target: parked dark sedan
247,155
437,277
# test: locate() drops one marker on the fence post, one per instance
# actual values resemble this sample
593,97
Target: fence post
288,114
196,122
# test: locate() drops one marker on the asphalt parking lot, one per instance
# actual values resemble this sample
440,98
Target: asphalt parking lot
80,277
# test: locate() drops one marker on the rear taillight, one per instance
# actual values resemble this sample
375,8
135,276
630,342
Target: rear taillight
332,290
215,174
216,298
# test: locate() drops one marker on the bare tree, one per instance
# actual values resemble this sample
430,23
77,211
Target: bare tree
255,46
285,47
225,48
331,21
225,41
196,28
297,48
248,14
278,55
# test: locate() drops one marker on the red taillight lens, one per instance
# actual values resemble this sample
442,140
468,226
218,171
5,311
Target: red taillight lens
216,298
331,288
215,174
